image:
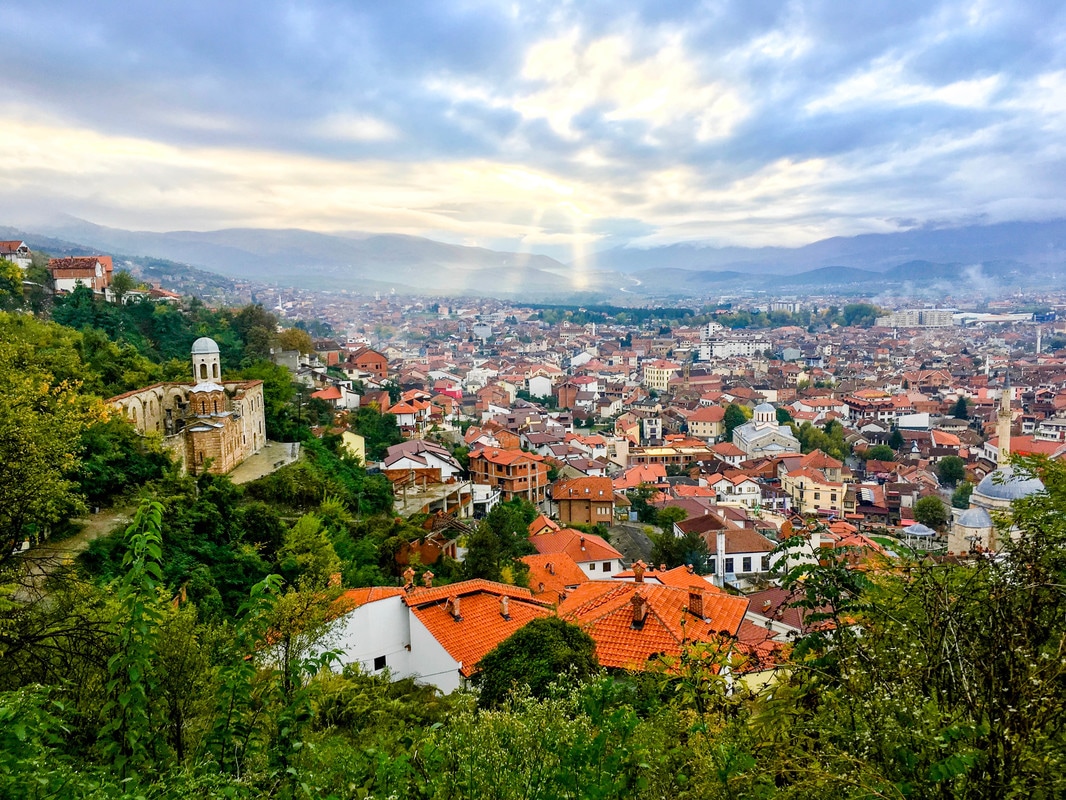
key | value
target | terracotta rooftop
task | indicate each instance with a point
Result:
(581, 547)
(604, 609)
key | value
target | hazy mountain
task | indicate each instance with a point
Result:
(1039, 244)
(318, 261)
(987, 257)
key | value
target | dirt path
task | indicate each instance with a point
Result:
(47, 557)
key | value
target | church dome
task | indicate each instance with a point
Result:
(765, 408)
(1003, 484)
(204, 346)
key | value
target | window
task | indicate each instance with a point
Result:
(379, 663)
(606, 566)
(729, 565)
(714, 565)
(766, 563)
(817, 495)
(592, 567)
(746, 563)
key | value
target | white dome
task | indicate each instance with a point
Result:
(204, 346)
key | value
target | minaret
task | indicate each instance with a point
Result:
(1003, 421)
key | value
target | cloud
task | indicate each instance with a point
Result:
(537, 125)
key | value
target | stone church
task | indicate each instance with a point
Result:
(207, 423)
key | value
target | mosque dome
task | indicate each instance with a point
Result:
(975, 517)
(1004, 485)
(204, 346)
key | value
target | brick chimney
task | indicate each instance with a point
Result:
(695, 601)
(766, 606)
(427, 579)
(640, 609)
(408, 579)
(503, 607)
(638, 572)
(452, 607)
(582, 540)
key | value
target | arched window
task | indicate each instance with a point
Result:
(214, 369)
(203, 372)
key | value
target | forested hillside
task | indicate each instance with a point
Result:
(186, 654)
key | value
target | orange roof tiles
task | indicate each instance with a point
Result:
(481, 625)
(604, 610)
(551, 575)
(581, 547)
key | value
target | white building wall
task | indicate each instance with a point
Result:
(380, 628)
(430, 662)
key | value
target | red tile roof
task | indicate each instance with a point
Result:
(480, 626)
(552, 575)
(604, 610)
(582, 547)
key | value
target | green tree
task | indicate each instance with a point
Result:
(895, 440)
(960, 498)
(784, 417)
(734, 418)
(950, 470)
(10, 285)
(307, 556)
(880, 452)
(961, 409)
(122, 283)
(932, 512)
(41, 423)
(536, 655)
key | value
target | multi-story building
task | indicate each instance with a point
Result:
(514, 472)
(587, 501)
(657, 374)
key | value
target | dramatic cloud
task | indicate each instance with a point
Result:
(551, 127)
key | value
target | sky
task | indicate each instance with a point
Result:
(553, 127)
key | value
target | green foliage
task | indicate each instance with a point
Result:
(115, 460)
(735, 416)
(784, 417)
(500, 539)
(895, 439)
(950, 470)
(960, 498)
(961, 409)
(534, 657)
(879, 452)
(42, 418)
(278, 394)
(11, 297)
(931, 511)
(379, 430)
(307, 557)
(861, 315)
(829, 439)
(125, 735)
(672, 549)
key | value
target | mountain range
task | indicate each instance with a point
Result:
(1006, 255)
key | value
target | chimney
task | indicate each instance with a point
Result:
(551, 568)
(408, 579)
(638, 572)
(582, 539)
(719, 559)
(695, 602)
(427, 579)
(662, 568)
(503, 608)
(689, 569)
(640, 610)
(452, 607)
(766, 606)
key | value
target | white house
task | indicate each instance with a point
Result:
(436, 635)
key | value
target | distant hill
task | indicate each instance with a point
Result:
(1040, 244)
(991, 258)
(331, 261)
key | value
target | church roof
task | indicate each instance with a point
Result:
(205, 345)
